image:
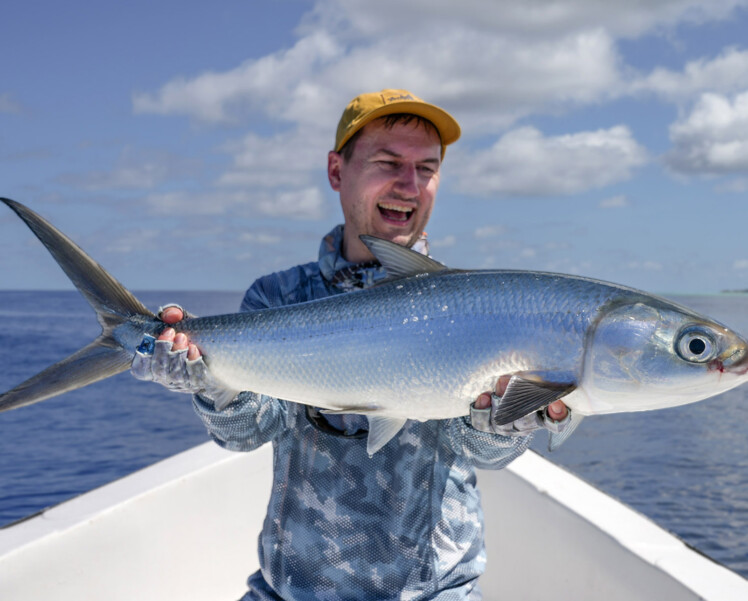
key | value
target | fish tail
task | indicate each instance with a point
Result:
(114, 306)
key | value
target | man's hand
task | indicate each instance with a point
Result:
(171, 360)
(174, 362)
(557, 411)
(172, 314)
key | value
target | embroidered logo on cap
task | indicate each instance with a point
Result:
(398, 98)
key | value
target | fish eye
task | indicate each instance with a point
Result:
(696, 345)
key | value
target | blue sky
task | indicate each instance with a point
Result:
(184, 145)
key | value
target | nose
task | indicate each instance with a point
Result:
(407, 180)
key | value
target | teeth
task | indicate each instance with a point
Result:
(391, 207)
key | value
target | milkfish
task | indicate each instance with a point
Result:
(423, 344)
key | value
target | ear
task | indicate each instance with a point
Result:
(334, 163)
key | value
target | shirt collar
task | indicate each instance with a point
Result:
(344, 274)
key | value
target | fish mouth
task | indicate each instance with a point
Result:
(736, 362)
(395, 213)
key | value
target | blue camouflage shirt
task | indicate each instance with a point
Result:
(404, 524)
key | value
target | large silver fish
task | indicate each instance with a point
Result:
(424, 344)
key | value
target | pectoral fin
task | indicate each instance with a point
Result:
(526, 394)
(381, 431)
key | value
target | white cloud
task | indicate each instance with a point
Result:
(305, 203)
(740, 264)
(490, 63)
(299, 204)
(489, 80)
(525, 163)
(713, 138)
(308, 84)
(727, 73)
(264, 162)
(270, 85)
(528, 19)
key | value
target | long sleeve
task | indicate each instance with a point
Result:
(245, 424)
(482, 449)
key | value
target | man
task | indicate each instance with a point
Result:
(405, 523)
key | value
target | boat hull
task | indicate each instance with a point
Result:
(148, 536)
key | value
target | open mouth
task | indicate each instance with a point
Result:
(395, 213)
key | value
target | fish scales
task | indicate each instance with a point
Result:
(433, 341)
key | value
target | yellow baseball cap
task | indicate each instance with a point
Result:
(365, 108)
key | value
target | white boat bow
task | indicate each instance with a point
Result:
(186, 528)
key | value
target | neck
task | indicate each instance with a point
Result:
(355, 251)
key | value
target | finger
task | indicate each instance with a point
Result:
(502, 384)
(168, 334)
(557, 411)
(483, 401)
(193, 352)
(171, 315)
(181, 342)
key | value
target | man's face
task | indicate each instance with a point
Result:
(387, 188)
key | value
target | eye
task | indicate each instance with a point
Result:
(696, 345)
(389, 165)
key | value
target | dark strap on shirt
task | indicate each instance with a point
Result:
(320, 423)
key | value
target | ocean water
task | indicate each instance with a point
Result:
(686, 468)
(57, 449)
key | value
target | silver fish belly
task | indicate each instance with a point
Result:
(421, 347)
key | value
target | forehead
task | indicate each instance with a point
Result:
(400, 138)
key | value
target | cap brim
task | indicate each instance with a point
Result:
(446, 124)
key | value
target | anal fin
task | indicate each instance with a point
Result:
(381, 431)
(224, 398)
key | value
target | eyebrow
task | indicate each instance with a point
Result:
(393, 154)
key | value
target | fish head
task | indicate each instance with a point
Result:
(652, 354)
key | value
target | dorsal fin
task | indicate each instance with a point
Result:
(400, 261)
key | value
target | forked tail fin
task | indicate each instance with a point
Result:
(114, 306)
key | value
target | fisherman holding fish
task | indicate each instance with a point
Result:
(374, 485)
(401, 517)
